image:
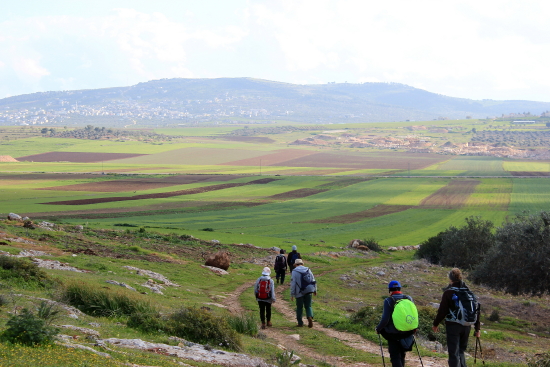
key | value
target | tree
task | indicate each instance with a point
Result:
(518, 263)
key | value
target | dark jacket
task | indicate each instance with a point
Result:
(447, 302)
(386, 323)
(280, 267)
(291, 258)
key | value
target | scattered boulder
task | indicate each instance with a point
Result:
(79, 228)
(29, 224)
(153, 286)
(120, 284)
(13, 216)
(355, 243)
(215, 270)
(152, 275)
(219, 260)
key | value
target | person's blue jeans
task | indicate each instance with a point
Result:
(301, 303)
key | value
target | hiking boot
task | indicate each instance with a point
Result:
(277, 281)
(269, 324)
(300, 325)
(263, 326)
(310, 322)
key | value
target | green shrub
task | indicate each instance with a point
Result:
(373, 245)
(284, 359)
(23, 270)
(244, 324)
(367, 316)
(430, 249)
(97, 301)
(148, 322)
(463, 247)
(28, 329)
(208, 229)
(495, 315)
(518, 262)
(426, 316)
(539, 360)
(201, 326)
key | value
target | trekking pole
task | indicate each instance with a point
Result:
(381, 350)
(418, 351)
(478, 341)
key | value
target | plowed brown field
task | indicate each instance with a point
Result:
(272, 159)
(378, 161)
(162, 194)
(452, 196)
(377, 211)
(77, 157)
(142, 184)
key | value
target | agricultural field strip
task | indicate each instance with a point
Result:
(473, 163)
(525, 166)
(529, 194)
(161, 195)
(491, 194)
(76, 157)
(454, 194)
(141, 183)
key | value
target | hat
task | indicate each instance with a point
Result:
(266, 271)
(299, 262)
(294, 248)
(394, 284)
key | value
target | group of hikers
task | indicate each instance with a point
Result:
(399, 322)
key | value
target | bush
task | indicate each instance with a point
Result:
(96, 301)
(367, 316)
(373, 245)
(495, 315)
(539, 360)
(284, 359)
(244, 324)
(148, 322)
(201, 326)
(463, 247)
(518, 263)
(430, 249)
(28, 329)
(426, 316)
(22, 270)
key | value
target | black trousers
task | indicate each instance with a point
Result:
(457, 342)
(397, 352)
(265, 311)
(280, 274)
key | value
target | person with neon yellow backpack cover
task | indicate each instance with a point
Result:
(398, 323)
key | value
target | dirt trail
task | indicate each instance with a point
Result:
(352, 340)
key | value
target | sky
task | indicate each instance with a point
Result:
(461, 48)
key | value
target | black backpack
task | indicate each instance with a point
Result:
(464, 308)
(280, 262)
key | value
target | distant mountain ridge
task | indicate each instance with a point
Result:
(196, 100)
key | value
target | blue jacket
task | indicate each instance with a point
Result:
(386, 323)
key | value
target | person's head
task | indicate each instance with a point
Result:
(282, 251)
(266, 271)
(394, 286)
(294, 248)
(298, 262)
(455, 275)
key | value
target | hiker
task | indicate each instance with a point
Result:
(302, 287)
(280, 266)
(264, 290)
(458, 320)
(399, 341)
(292, 256)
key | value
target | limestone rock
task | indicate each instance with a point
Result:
(219, 260)
(13, 216)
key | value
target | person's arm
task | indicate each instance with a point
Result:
(256, 287)
(443, 310)
(272, 285)
(293, 285)
(386, 314)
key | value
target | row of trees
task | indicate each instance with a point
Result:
(514, 257)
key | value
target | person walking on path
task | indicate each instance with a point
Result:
(399, 342)
(302, 287)
(264, 290)
(456, 330)
(293, 256)
(280, 267)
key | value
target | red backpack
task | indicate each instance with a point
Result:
(264, 289)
